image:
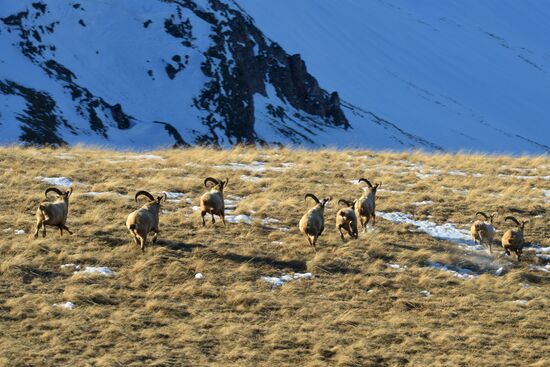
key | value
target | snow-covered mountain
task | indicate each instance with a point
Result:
(151, 73)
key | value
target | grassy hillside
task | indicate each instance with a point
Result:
(384, 299)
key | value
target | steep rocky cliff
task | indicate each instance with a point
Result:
(66, 78)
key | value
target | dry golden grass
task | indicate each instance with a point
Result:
(356, 311)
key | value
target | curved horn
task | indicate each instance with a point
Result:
(211, 179)
(366, 181)
(145, 193)
(347, 203)
(512, 219)
(70, 191)
(54, 189)
(483, 215)
(313, 197)
(326, 200)
(226, 181)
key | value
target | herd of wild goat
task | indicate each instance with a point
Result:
(146, 219)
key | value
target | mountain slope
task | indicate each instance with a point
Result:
(464, 75)
(153, 73)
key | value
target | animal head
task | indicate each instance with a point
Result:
(63, 195)
(348, 203)
(321, 203)
(218, 184)
(487, 217)
(521, 225)
(150, 197)
(371, 187)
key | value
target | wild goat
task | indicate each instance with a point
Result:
(144, 220)
(212, 201)
(53, 214)
(484, 232)
(312, 223)
(365, 206)
(513, 239)
(346, 219)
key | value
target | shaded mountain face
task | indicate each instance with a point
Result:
(152, 73)
(468, 75)
(146, 74)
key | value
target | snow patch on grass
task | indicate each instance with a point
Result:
(70, 266)
(544, 268)
(100, 270)
(67, 305)
(458, 272)
(521, 302)
(56, 181)
(425, 202)
(395, 266)
(240, 218)
(251, 178)
(255, 166)
(144, 156)
(279, 281)
(446, 231)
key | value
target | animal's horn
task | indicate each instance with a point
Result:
(366, 181)
(145, 193)
(313, 197)
(513, 220)
(54, 189)
(211, 179)
(483, 215)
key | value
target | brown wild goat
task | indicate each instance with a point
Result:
(365, 206)
(212, 201)
(145, 219)
(53, 214)
(312, 223)
(513, 239)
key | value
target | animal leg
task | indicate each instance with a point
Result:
(309, 240)
(43, 229)
(60, 230)
(314, 242)
(518, 255)
(212, 214)
(155, 235)
(203, 213)
(38, 225)
(67, 229)
(350, 231)
(222, 216)
(373, 219)
(142, 242)
(341, 233)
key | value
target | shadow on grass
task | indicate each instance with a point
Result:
(177, 245)
(295, 265)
